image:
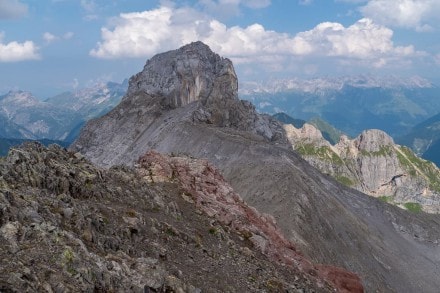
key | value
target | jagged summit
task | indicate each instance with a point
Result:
(373, 140)
(185, 75)
(194, 73)
(372, 163)
(188, 85)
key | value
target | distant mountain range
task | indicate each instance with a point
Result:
(26, 117)
(351, 104)
(7, 143)
(424, 139)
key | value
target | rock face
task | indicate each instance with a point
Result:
(374, 164)
(190, 84)
(389, 248)
(194, 73)
(66, 225)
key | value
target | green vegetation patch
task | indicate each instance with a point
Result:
(323, 152)
(413, 207)
(386, 198)
(411, 163)
(385, 150)
(345, 180)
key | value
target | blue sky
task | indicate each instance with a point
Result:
(50, 46)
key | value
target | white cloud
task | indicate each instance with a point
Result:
(305, 2)
(363, 40)
(48, 37)
(14, 51)
(145, 33)
(12, 9)
(420, 15)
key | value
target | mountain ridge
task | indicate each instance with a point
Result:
(372, 163)
(330, 223)
(351, 104)
(26, 116)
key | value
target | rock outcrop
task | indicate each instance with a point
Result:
(329, 223)
(67, 225)
(374, 164)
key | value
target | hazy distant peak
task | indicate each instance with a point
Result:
(333, 83)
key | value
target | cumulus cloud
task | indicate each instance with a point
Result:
(14, 51)
(421, 15)
(363, 40)
(12, 9)
(143, 34)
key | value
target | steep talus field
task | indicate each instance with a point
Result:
(374, 164)
(69, 226)
(198, 114)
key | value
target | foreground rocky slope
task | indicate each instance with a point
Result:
(374, 164)
(389, 248)
(66, 225)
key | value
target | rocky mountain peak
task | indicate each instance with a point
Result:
(185, 75)
(21, 98)
(190, 85)
(373, 140)
(307, 134)
(373, 164)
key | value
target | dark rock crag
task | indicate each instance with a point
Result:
(389, 248)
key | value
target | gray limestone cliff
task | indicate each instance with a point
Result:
(374, 164)
(191, 84)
